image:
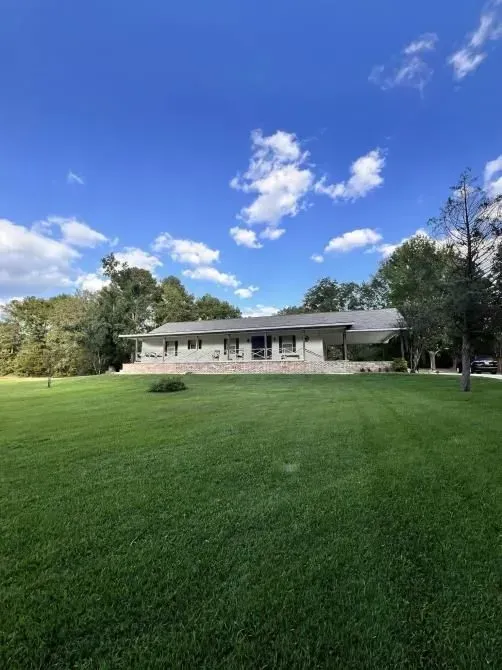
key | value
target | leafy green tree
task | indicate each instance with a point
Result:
(470, 223)
(175, 302)
(292, 309)
(496, 302)
(208, 307)
(10, 343)
(328, 295)
(416, 277)
(65, 353)
(126, 305)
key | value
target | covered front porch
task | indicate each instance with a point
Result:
(314, 345)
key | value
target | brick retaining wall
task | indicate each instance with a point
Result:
(255, 367)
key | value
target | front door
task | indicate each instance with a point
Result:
(258, 350)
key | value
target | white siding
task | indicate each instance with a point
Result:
(151, 348)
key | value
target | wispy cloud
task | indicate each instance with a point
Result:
(74, 178)
(493, 177)
(317, 258)
(138, 258)
(76, 233)
(245, 237)
(213, 275)
(260, 310)
(365, 175)
(386, 249)
(410, 68)
(186, 251)
(353, 239)
(247, 292)
(470, 56)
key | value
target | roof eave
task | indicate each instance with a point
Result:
(245, 330)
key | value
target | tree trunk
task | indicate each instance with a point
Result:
(466, 363)
(432, 356)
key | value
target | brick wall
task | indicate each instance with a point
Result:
(255, 367)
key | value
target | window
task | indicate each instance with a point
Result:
(233, 344)
(287, 344)
(194, 344)
(171, 348)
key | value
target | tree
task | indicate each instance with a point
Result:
(65, 352)
(126, 305)
(175, 303)
(496, 303)
(416, 278)
(208, 307)
(292, 309)
(10, 343)
(470, 223)
(328, 295)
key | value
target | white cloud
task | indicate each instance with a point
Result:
(470, 56)
(410, 69)
(186, 251)
(74, 232)
(246, 292)
(493, 186)
(366, 175)
(272, 233)
(245, 237)
(387, 249)
(74, 178)
(93, 281)
(317, 258)
(32, 261)
(207, 273)
(260, 310)
(426, 42)
(354, 239)
(138, 258)
(279, 174)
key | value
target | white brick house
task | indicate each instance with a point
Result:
(296, 342)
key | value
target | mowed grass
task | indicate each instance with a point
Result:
(251, 522)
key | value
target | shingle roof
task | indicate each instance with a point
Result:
(374, 319)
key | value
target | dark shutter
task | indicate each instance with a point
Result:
(225, 346)
(175, 347)
(294, 343)
(236, 345)
(200, 344)
(280, 344)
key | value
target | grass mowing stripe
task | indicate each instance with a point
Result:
(260, 521)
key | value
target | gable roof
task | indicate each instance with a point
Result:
(373, 319)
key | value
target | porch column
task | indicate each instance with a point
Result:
(136, 350)
(344, 335)
(163, 349)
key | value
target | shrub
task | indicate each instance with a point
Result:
(399, 365)
(167, 385)
(368, 369)
(362, 370)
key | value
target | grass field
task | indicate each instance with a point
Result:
(251, 522)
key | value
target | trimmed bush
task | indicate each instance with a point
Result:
(167, 385)
(399, 365)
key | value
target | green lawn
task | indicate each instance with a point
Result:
(251, 522)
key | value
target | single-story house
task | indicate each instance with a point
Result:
(285, 343)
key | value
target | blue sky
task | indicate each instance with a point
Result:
(187, 136)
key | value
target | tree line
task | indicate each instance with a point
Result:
(447, 286)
